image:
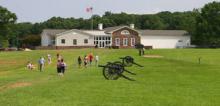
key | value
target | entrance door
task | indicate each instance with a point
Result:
(102, 44)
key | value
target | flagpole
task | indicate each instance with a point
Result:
(92, 19)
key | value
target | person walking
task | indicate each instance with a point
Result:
(63, 66)
(90, 56)
(41, 62)
(59, 57)
(85, 61)
(49, 59)
(79, 61)
(143, 50)
(59, 67)
(96, 60)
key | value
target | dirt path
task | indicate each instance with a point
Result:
(14, 85)
(153, 56)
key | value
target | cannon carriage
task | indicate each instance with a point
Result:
(115, 70)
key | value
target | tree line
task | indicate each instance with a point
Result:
(203, 24)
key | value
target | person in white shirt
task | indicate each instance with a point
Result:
(30, 66)
(49, 58)
(41, 62)
(96, 60)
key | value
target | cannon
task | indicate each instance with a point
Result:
(140, 48)
(115, 70)
(112, 71)
(129, 61)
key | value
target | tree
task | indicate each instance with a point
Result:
(6, 19)
(152, 22)
(207, 31)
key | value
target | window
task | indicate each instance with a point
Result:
(180, 41)
(85, 41)
(117, 41)
(74, 41)
(132, 41)
(63, 41)
(125, 32)
(125, 41)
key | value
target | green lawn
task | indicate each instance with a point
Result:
(174, 80)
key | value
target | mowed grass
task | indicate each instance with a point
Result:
(177, 79)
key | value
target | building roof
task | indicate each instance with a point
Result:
(109, 30)
(75, 31)
(163, 32)
(53, 32)
(96, 32)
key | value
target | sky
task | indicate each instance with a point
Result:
(42, 10)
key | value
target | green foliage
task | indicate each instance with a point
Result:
(162, 20)
(4, 43)
(31, 40)
(208, 26)
(6, 20)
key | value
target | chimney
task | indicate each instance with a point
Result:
(100, 26)
(132, 26)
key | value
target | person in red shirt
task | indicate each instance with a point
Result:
(90, 58)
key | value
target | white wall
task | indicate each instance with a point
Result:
(44, 40)
(164, 41)
(72, 35)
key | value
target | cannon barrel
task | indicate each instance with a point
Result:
(137, 64)
(101, 66)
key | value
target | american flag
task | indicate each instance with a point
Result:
(89, 9)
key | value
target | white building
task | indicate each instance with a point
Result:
(121, 36)
(165, 38)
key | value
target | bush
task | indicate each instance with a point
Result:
(5, 43)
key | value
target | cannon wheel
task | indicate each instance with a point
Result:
(110, 73)
(128, 61)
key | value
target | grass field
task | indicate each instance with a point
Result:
(176, 79)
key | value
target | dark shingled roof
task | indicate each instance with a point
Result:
(110, 29)
(163, 32)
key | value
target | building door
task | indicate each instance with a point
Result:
(102, 41)
(103, 44)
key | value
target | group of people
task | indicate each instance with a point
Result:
(41, 63)
(87, 59)
(61, 65)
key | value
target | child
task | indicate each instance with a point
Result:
(79, 61)
(59, 57)
(85, 61)
(96, 60)
(59, 67)
(90, 59)
(30, 66)
(49, 58)
(63, 66)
